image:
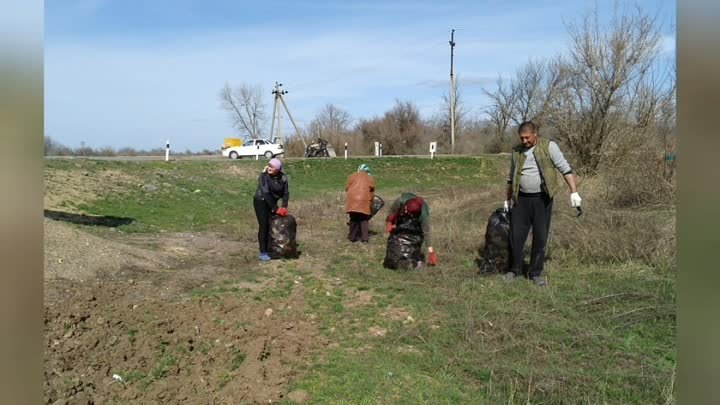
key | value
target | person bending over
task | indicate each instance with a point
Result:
(409, 224)
(272, 188)
(360, 190)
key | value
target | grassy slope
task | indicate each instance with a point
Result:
(222, 197)
(600, 334)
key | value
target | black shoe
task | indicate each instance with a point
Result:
(539, 281)
(509, 276)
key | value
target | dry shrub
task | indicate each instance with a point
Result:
(629, 207)
(499, 145)
(634, 173)
(294, 147)
(607, 235)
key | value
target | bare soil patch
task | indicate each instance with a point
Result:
(358, 298)
(128, 306)
(221, 350)
(396, 314)
(76, 255)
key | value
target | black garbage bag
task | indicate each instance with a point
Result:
(283, 231)
(377, 204)
(495, 253)
(404, 251)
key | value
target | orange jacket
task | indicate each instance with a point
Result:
(360, 189)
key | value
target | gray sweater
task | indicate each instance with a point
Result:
(530, 181)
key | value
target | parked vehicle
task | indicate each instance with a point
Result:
(320, 148)
(251, 148)
(229, 142)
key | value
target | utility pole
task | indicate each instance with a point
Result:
(272, 124)
(452, 92)
(281, 134)
(254, 124)
(277, 114)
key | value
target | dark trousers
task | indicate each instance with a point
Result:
(359, 227)
(530, 211)
(262, 213)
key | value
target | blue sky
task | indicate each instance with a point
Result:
(136, 72)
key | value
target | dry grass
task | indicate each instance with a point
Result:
(604, 235)
(474, 339)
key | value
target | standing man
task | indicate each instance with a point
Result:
(360, 189)
(532, 185)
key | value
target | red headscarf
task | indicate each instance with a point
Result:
(414, 206)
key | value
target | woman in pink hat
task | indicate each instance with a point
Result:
(272, 188)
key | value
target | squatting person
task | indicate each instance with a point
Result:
(409, 227)
(532, 185)
(360, 190)
(272, 188)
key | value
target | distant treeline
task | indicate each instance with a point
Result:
(55, 148)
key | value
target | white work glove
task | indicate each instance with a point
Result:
(506, 205)
(575, 200)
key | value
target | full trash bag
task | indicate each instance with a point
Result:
(495, 253)
(377, 204)
(404, 251)
(283, 231)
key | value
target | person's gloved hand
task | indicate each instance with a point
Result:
(282, 211)
(506, 205)
(575, 200)
(433, 259)
(390, 227)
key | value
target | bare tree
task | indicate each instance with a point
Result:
(55, 148)
(400, 130)
(651, 98)
(602, 66)
(535, 86)
(502, 106)
(246, 107)
(331, 121)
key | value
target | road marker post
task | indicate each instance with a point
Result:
(257, 152)
(377, 149)
(380, 150)
(433, 149)
(345, 150)
(167, 150)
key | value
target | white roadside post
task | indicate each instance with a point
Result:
(345, 150)
(377, 149)
(257, 151)
(380, 150)
(167, 150)
(433, 149)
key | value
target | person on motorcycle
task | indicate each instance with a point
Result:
(410, 219)
(360, 189)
